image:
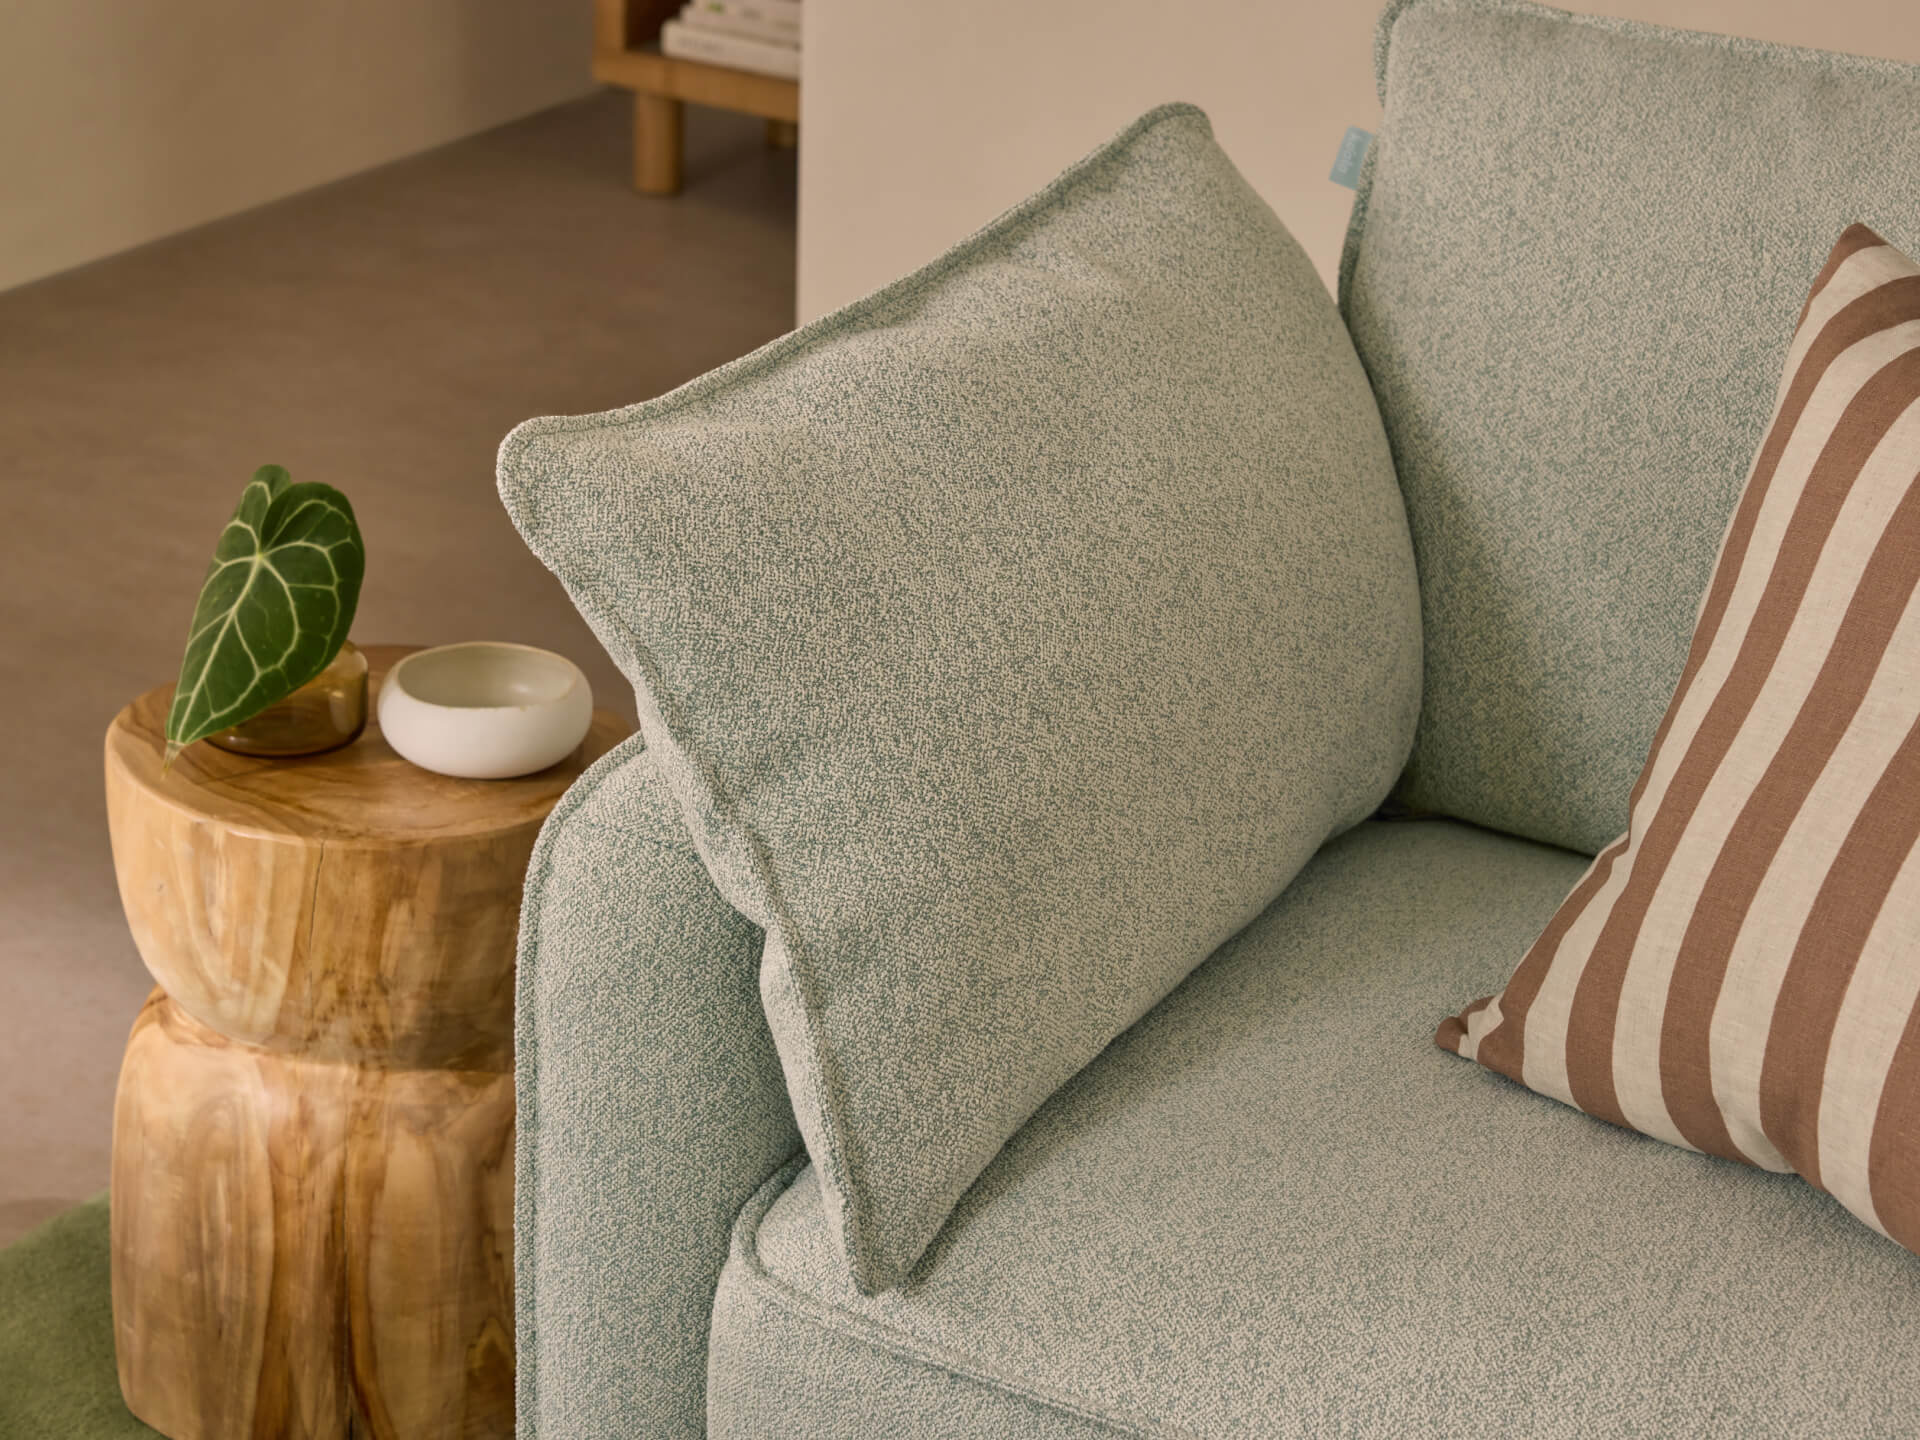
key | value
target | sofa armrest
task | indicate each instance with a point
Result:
(651, 1107)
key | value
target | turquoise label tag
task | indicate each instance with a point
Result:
(1353, 149)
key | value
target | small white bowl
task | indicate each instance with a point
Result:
(485, 711)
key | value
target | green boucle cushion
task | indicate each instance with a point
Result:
(1578, 253)
(1009, 639)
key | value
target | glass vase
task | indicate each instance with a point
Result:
(327, 712)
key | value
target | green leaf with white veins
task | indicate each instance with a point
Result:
(274, 608)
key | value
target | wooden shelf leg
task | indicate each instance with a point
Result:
(782, 134)
(658, 121)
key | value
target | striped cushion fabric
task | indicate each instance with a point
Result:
(1737, 973)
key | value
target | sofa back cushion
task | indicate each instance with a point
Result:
(1738, 972)
(1009, 639)
(1578, 250)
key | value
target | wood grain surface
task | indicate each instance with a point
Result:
(347, 905)
(313, 1136)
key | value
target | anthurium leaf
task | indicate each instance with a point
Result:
(274, 608)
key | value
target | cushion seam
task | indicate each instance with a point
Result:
(852, 316)
(873, 1333)
(1769, 51)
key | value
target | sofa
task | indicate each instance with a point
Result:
(1271, 1206)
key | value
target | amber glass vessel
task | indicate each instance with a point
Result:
(327, 712)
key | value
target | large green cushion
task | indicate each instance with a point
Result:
(1009, 638)
(1571, 276)
(1274, 1209)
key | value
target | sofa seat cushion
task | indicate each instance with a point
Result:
(1273, 1208)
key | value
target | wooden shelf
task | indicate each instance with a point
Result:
(626, 53)
(647, 71)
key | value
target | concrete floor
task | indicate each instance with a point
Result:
(380, 334)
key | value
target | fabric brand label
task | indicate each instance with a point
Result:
(1353, 149)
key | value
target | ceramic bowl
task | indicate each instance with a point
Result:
(485, 711)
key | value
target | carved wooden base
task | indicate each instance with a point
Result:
(313, 1140)
(309, 1249)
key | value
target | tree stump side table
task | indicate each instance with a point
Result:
(313, 1138)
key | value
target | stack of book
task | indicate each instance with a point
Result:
(762, 35)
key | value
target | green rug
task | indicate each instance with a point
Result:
(57, 1380)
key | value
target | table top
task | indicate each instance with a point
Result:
(361, 794)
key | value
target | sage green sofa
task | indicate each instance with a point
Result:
(1272, 1207)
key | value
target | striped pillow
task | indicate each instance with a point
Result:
(1737, 973)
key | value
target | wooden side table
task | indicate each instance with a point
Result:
(313, 1136)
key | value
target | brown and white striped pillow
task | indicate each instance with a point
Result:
(1738, 972)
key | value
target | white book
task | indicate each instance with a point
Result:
(716, 47)
(768, 12)
(736, 18)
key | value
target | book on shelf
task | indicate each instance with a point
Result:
(739, 52)
(775, 21)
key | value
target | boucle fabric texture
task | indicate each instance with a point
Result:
(1272, 1208)
(1009, 640)
(1738, 972)
(651, 1107)
(1572, 269)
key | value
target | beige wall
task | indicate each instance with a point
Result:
(125, 120)
(923, 120)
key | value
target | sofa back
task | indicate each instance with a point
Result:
(1573, 269)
